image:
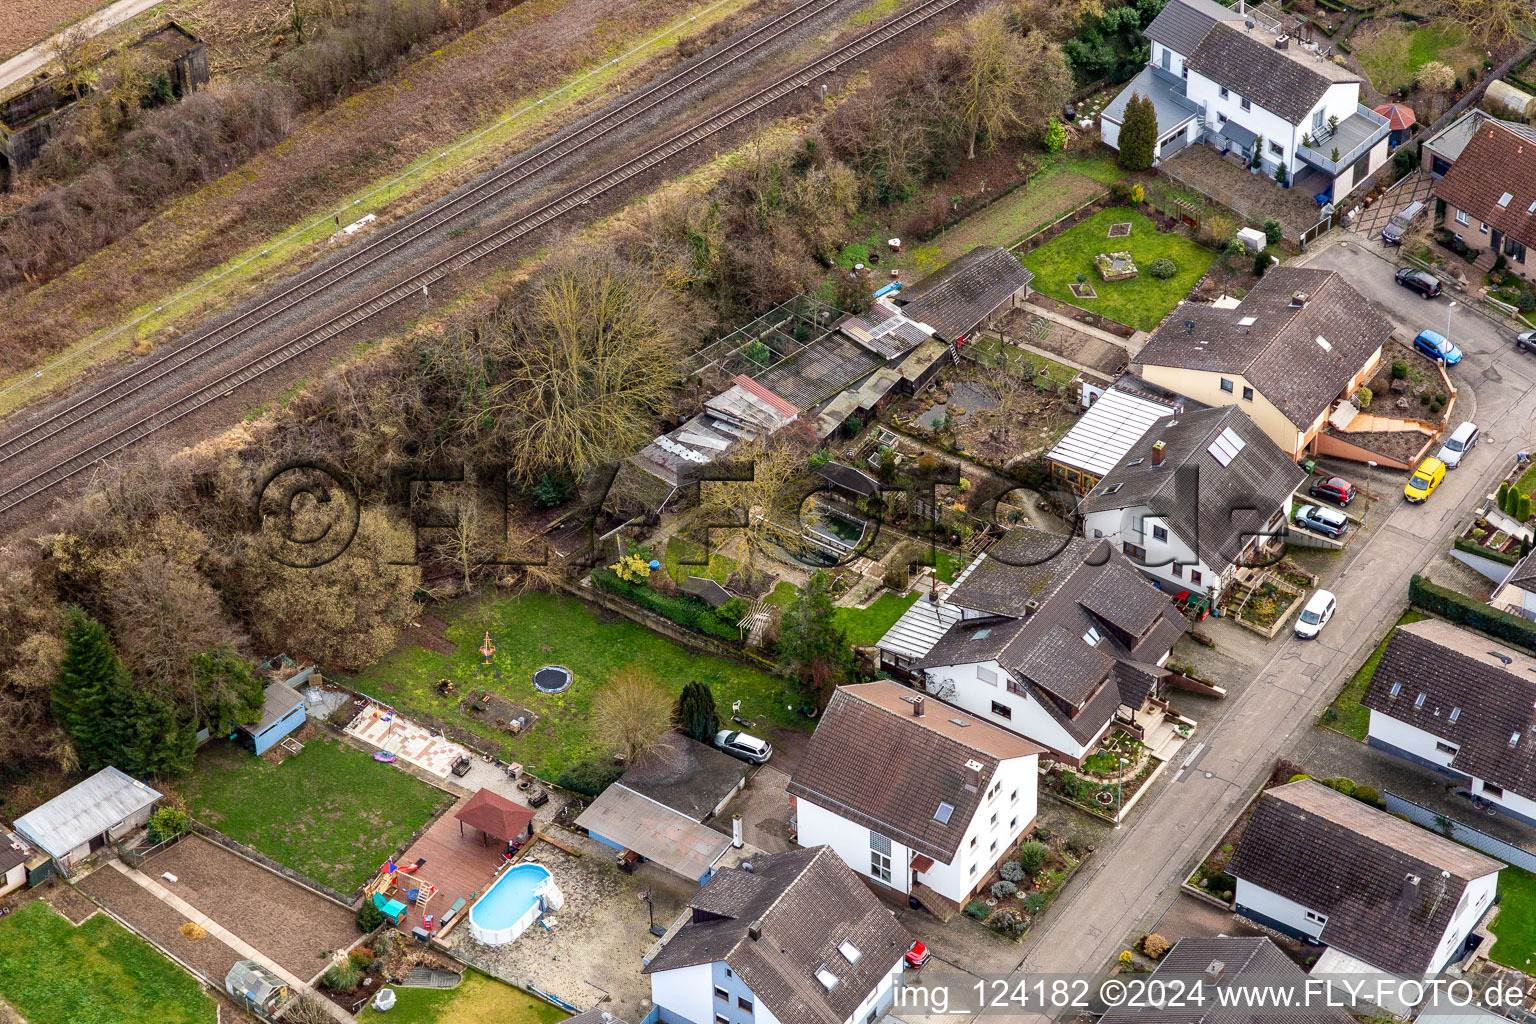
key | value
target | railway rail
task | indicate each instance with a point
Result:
(203, 345)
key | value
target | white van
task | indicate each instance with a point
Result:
(1458, 444)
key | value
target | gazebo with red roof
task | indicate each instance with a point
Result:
(494, 815)
(1399, 119)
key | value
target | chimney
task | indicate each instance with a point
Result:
(1282, 43)
(1410, 888)
(755, 930)
(1158, 450)
(1214, 970)
(1030, 607)
(972, 775)
(1299, 300)
(917, 707)
(736, 831)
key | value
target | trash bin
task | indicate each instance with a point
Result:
(385, 1000)
(1310, 466)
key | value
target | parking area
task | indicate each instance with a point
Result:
(1414, 188)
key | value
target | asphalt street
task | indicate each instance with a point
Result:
(1139, 870)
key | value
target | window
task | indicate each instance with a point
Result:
(1245, 104)
(1224, 95)
(1158, 533)
(993, 822)
(942, 814)
(973, 842)
(985, 674)
(1445, 748)
(1276, 149)
(1313, 917)
(974, 867)
(850, 951)
(1514, 737)
(1177, 570)
(1317, 122)
(1092, 638)
(827, 978)
(1482, 227)
(1184, 72)
(1014, 798)
(742, 1002)
(1418, 702)
(1455, 713)
(1221, 120)
(1504, 200)
(994, 846)
(1226, 386)
(1247, 393)
(1002, 710)
(721, 1018)
(1013, 826)
(1132, 551)
(1490, 790)
(1462, 218)
(1194, 577)
(879, 865)
(722, 995)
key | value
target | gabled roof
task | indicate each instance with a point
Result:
(277, 700)
(1494, 180)
(13, 851)
(1278, 351)
(1460, 673)
(922, 765)
(85, 811)
(1376, 878)
(1246, 961)
(958, 296)
(1452, 140)
(849, 478)
(654, 831)
(1182, 24)
(1206, 504)
(802, 906)
(1280, 81)
(1524, 574)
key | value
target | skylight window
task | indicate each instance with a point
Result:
(1135, 462)
(980, 633)
(1514, 737)
(827, 978)
(1248, 321)
(1455, 713)
(962, 723)
(1397, 688)
(1226, 446)
(850, 951)
(1112, 488)
(1324, 344)
(1091, 638)
(942, 815)
(1418, 702)
(1505, 199)
(1532, 207)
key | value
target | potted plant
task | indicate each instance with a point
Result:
(1256, 159)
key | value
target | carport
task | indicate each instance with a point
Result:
(627, 821)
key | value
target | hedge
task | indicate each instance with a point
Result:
(1467, 611)
(1472, 547)
(681, 609)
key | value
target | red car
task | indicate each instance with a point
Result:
(917, 956)
(1335, 489)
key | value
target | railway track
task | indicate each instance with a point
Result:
(93, 406)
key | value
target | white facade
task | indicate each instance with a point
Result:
(1002, 815)
(13, 879)
(1401, 738)
(685, 995)
(983, 690)
(1168, 559)
(712, 993)
(1259, 902)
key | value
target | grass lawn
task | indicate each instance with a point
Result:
(332, 812)
(1021, 363)
(951, 564)
(1350, 718)
(539, 629)
(477, 1000)
(1396, 52)
(99, 973)
(1064, 182)
(681, 551)
(865, 626)
(1527, 482)
(1515, 924)
(1143, 300)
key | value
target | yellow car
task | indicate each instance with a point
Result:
(1424, 480)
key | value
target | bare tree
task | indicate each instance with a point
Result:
(1003, 82)
(1435, 77)
(1492, 21)
(1007, 392)
(632, 714)
(766, 504)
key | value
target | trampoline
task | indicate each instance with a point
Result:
(552, 679)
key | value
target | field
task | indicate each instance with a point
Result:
(864, 626)
(1345, 713)
(541, 629)
(1063, 183)
(1515, 925)
(24, 22)
(477, 1000)
(332, 813)
(99, 973)
(1141, 301)
(1395, 52)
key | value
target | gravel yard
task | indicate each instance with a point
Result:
(144, 910)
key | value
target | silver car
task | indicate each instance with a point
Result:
(743, 745)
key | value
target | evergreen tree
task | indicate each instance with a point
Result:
(227, 691)
(695, 715)
(157, 741)
(1138, 133)
(91, 692)
(813, 644)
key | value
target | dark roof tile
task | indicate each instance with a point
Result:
(960, 295)
(1497, 161)
(1251, 67)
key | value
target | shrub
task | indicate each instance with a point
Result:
(1343, 785)
(1472, 547)
(1032, 857)
(1011, 871)
(680, 608)
(589, 776)
(1399, 369)
(1002, 890)
(1525, 302)
(1367, 795)
(1154, 946)
(977, 909)
(360, 957)
(1365, 396)
(1007, 922)
(369, 916)
(1283, 178)
(1163, 269)
(731, 612)
(1523, 512)
(1260, 264)
(1466, 611)
(1138, 194)
(820, 457)
(342, 977)
(1274, 231)
(1055, 136)
(1033, 903)
(1126, 959)
(168, 821)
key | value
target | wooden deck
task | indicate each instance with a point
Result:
(459, 866)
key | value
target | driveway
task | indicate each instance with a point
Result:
(1414, 188)
(764, 809)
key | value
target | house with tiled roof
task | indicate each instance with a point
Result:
(1200, 494)
(1212, 969)
(792, 937)
(1490, 194)
(1236, 79)
(1055, 638)
(1290, 354)
(953, 796)
(1384, 895)
(1517, 593)
(1464, 706)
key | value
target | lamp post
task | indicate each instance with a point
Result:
(1120, 791)
(1448, 309)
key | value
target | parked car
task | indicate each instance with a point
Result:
(743, 745)
(1335, 489)
(1437, 346)
(917, 956)
(1525, 341)
(1393, 233)
(1424, 480)
(1462, 440)
(1319, 519)
(1315, 615)
(1426, 284)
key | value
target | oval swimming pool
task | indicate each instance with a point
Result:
(512, 903)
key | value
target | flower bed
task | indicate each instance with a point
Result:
(1010, 905)
(1115, 266)
(1264, 605)
(1099, 795)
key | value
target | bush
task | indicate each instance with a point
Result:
(342, 977)
(680, 608)
(731, 612)
(1365, 396)
(1523, 512)
(1007, 922)
(1367, 795)
(369, 916)
(360, 957)
(168, 821)
(1525, 302)
(1399, 369)
(1163, 269)
(1466, 611)
(1002, 890)
(1260, 264)
(1055, 136)
(589, 776)
(1012, 871)
(1033, 903)
(978, 909)
(820, 457)
(1343, 785)
(1472, 547)
(1154, 946)
(1274, 231)
(1032, 857)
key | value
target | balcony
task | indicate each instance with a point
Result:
(1355, 136)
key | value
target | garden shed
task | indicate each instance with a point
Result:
(88, 816)
(282, 711)
(255, 987)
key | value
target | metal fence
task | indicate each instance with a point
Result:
(1464, 834)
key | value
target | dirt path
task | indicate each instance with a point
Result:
(23, 20)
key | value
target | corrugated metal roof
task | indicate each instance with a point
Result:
(1100, 439)
(655, 832)
(85, 811)
(924, 623)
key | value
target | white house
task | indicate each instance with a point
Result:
(792, 937)
(952, 797)
(88, 816)
(1384, 895)
(1234, 78)
(13, 861)
(1052, 637)
(1461, 705)
(1517, 594)
(1200, 494)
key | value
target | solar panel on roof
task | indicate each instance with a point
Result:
(1226, 446)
